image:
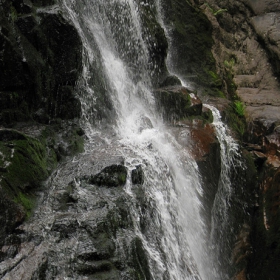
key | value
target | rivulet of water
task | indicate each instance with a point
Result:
(220, 240)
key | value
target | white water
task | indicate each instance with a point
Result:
(176, 244)
(229, 159)
(220, 221)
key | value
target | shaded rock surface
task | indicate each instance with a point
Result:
(40, 62)
(246, 49)
(191, 42)
(176, 103)
(80, 229)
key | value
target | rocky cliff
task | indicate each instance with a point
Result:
(40, 62)
(246, 50)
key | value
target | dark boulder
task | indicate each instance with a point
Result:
(110, 176)
(137, 175)
(171, 81)
(175, 103)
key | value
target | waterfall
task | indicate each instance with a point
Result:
(161, 217)
(172, 181)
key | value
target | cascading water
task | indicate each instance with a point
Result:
(220, 220)
(172, 178)
(173, 183)
(162, 219)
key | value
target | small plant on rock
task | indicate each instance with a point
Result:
(217, 12)
(229, 64)
(239, 108)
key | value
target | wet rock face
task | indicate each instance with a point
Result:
(40, 61)
(176, 103)
(201, 141)
(81, 229)
(246, 48)
(265, 228)
(191, 42)
(111, 176)
(156, 40)
(23, 165)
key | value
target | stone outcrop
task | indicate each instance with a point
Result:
(175, 103)
(40, 62)
(191, 42)
(110, 176)
(82, 227)
(246, 49)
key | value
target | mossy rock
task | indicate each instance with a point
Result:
(27, 201)
(11, 214)
(236, 121)
(24, 163)
(191, 42)
(23, 166)
(111, 176)
(23, 160)
(175, 103)
(137, 175)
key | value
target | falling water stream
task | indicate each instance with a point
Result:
(172, 178)
(171, 175)
(175, 240)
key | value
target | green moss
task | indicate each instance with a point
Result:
(122, 178)
(228, 77)
(216, 81)
(220, 11)
(77, 144)
(28, 162)
(26, 201)
(13, 13)
(220, 93)
(236, 120)
(216, 12)
(23, 166)
(239, 108)
(215, 92)
(229, 64)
